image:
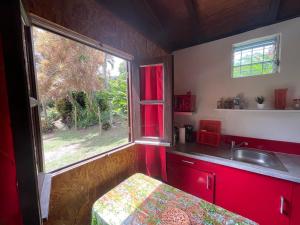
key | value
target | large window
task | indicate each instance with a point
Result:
(256, 57)
(83, 95)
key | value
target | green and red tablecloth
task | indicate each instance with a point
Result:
(142, 200)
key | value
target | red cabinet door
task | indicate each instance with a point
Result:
(263, 199)
(295, 212)
(193, 181)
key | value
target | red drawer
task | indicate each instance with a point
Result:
(183, 160)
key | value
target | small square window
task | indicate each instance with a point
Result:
(256, 57)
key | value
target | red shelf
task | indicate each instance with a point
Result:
(184, 113)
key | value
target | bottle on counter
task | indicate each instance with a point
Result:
(296, 103)
(182, 135)
(176, 135)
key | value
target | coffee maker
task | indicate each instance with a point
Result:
(189, 133)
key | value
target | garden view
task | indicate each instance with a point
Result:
(254, 61)
(83, 99)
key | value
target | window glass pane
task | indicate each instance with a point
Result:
(237, 58)
(258, 54)
(246, 57)
(268, 68)
(151, 82)
(236, 71)
(256, 69)
(83, 96)
(245, 70)
(152, 121)
(269, 53)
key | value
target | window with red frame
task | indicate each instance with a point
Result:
(153, 102)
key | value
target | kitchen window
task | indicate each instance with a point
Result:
(256, 57)
(83, 99)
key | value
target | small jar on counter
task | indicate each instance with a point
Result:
(296, 103)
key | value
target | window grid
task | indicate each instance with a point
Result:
(256, 58)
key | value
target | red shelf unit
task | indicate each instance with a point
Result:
(185, 103)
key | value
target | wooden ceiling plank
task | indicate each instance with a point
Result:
(180, 24)
(137, 14)
(289, 9)
(158, 23)
(273, 11)
(154, 15)
(191, 6)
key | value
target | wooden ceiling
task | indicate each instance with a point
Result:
(176, 24)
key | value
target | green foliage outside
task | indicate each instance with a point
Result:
(86, 106)
(118, 92)
(65, 109)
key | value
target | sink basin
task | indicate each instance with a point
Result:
(261, 158)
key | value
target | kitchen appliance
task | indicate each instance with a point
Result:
(189, 133)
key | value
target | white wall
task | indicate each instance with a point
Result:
(206, 71)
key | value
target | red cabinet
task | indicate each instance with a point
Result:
(263, 199)
(196, 182)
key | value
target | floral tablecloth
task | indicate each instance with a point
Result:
(142, 200)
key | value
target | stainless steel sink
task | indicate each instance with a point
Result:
(261, 158)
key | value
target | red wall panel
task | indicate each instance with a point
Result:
(9, 202)
(271, 145)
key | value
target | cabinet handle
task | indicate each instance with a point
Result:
(185, 161)
(207, 182)
(282, 203)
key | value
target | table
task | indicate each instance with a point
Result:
(141, 200)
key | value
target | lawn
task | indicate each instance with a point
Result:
(64, 147)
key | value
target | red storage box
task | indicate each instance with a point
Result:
(209, 132)
(280, 98)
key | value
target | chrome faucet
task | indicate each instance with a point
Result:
(234, 146)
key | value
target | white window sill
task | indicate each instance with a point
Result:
(153, 142)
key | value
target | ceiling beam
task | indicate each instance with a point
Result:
(153, 15)
(191, 6)
(162, 35)
(273, 11)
